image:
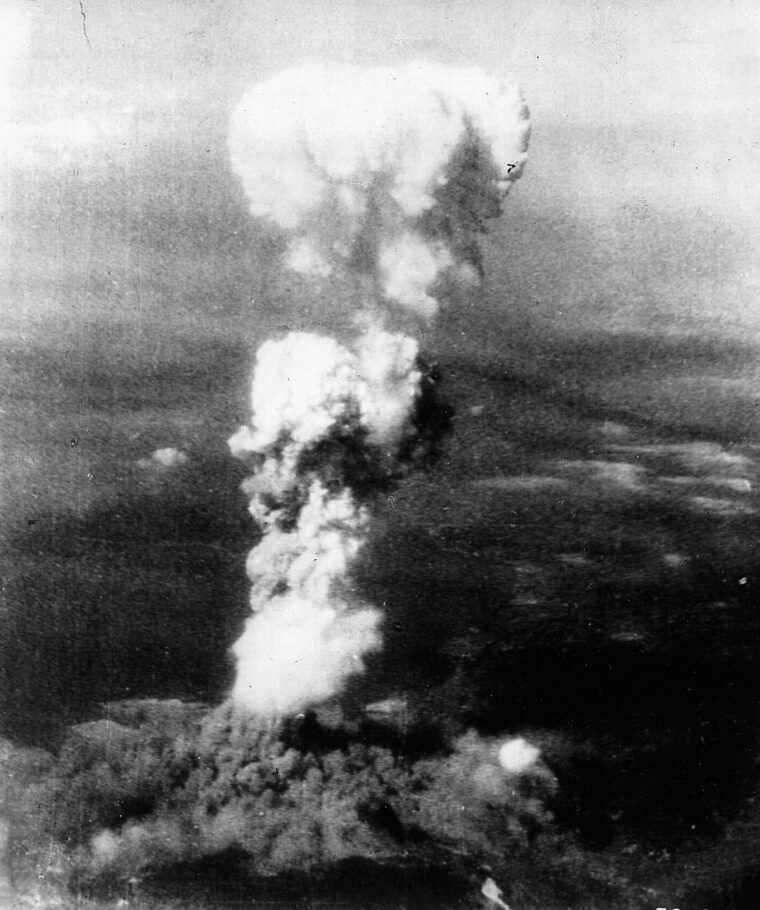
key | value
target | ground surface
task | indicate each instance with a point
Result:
(585, 575)
(581, 566)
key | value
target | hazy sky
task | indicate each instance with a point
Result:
(645, 113)
(680, 79)
(123, 231)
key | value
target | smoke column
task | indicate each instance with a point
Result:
(380, 181)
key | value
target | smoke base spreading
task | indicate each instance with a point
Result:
(161, 783)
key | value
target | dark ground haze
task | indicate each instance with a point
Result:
(583, 559)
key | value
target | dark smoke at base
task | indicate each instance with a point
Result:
(161, 783)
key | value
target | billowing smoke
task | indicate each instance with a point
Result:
(161, 782)
(380, 180)
(381, 173)
(327, 426)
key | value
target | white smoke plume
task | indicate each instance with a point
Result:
(382, 178)
(353, 163)
(325, 422)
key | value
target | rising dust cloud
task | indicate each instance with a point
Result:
(381, 180)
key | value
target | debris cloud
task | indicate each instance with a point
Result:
(325, 434)
(381, 173)
(380, 180)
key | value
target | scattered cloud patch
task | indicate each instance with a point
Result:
(734, 484)
(520, 482)
(725, 507)
(620, 474)
(614, 430)
(577, 560)
(166, 459)
(675, 560)
(697, 456)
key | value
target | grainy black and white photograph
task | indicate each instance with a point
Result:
(380, 427)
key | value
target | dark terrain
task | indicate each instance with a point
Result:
(567, 569)
(581, 565)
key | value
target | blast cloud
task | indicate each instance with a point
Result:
(351, 163)
(326, 427)
(381, 180)
(159, 783)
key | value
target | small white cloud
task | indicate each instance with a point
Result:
(621, 474)
(517, 755)
(676, 560)
(720, 506)
(85, 139)
(576, 560)
(492, 892)
(696, 456)
(735, 484)
(532, 482)
(164, 460)
(627, 637)
(614, 430)
(105, 846)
